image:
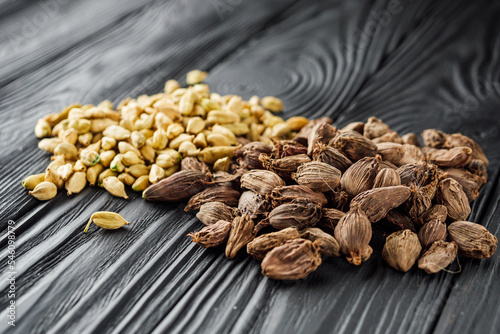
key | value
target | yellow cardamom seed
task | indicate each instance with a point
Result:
(67, 149)
(44, 191)
(76, 183)
(115, 187)
(156, 173)
(171, 86)
(93, 173)
(42, 128)
(272, 103)
(106, 157)
(195, 76)
(141, 183)
(127, 179)
(32, 181)
(107, 143)
(89, 157)
(106, 220)
(107, 173)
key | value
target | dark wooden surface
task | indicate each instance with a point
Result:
(415, 64)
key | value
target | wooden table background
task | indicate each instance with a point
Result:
(415, 64)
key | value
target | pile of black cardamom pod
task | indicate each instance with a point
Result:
(319, 194)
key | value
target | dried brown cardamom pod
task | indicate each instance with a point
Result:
(360, 176)
(412, 154)
(253, 204)
(470, 183)
(240, 235)
(284, 148)
(452, 196)
(321, 133)
(318, 176)
(420, 199)
(359, 127)
(377, 202)
(224, 194)
(458, 139)
(389, 137)
(401, 250)
(295, 259)
(303, 134)
(284, 167)
(354, 145)
(212, 235)
(210, 213)
(248, 155)
(340, 199)
(261, 181)
(396, 219)
(437, 211)
(260, 246)
(473, 240)
(410, 138)
(387, 164)
(453, 157)
(330, 218)
(331, 156)
(434, 138)
(374, 128)
(285, 194)
(434, 230)
(177, 187)
(391, 152)
(417, 173)
(299, 213)
(354, 232)
(439, 256)
(387, 177)
(192, 163)
(327, 244)
(478, 168)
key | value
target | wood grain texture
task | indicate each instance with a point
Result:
(424, 64)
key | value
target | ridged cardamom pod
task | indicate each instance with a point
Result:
(194, 164)
(330, 218)
(327, 244)
(360, 176)
(295, 259)
(115, 187)
(212, 235)
(303, 134)
(458, 139)
(420, 199)
(318, 176)
(437, 211)
(211, 212)
(76, 183)
(177, 187)
(253, 204)
(452, 196)
(240, 235)
(410, 138)
(354, 145)
(284, 167)
(32, 181)
(285, 194)
(435, 230)
(260, 246)
(299, 213)
(439, 256)
(226, 195)
(354, 232)
(417, 173)
(331, 156)
(320, 133)
(387, 177)
(401, 250)
(261, 181)
(44, 191)
(377, 202)
(391, 152)
(470, 183)
(358, 127)
(434, 138)
(106, 220)
(412, 154)
(473, 240)
(396, 219)
(389, 137)
(454, 157)
(375, 128)
(248, 155)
